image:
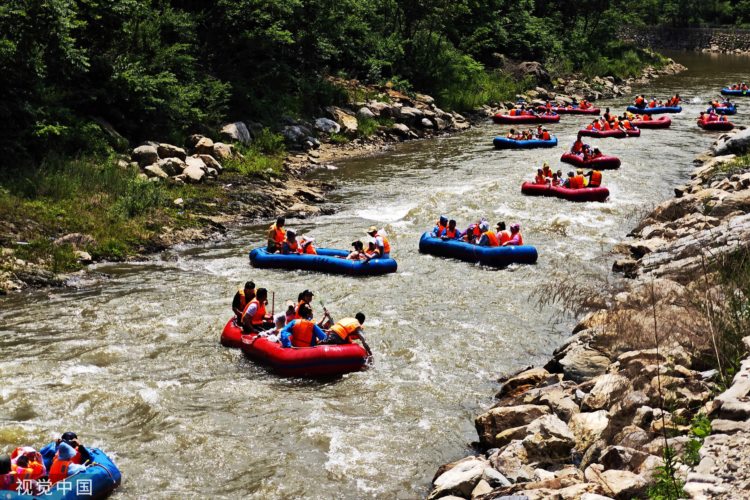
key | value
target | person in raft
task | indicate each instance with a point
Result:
(595, 178)
(440, 226)
(272, 334)
(50, 450)
(380, 240)
(346, 330)
(241, 298)
(305, 299)
(540, 178)
(63, 465)
(276, 236)
(515, 236)
(451, 232)
(302, 332)
(358, 253)
(488, 238)
(502, 234)
(254, 317)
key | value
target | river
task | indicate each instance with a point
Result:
(133, 363)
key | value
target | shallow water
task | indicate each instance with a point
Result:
(134, 364)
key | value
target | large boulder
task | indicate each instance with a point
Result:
(608, 389)
(170, 151)
(588, 428)
(554, 396)
(155, 171)
(522, 382)
(204, 146)
(409, 114)
(365, 113)
(581, 362)
(738, 144)
(512, 462)
(548, 440)
(145, 155)
(347, 121)
(211, 162)
(499, 419)
(533, 69)
(379, 108)
(401, 130)
(327, 126)
(195, 169)
(461, 479)
(222, 151)
(621, 484)
(236, 132)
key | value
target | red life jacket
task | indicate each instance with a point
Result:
(260, 313)
(293, 247)
(546, 136)
(596, 179)
(503, 236)
(302, 333)
(450, 234)
(59, 470)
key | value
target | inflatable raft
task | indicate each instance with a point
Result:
(715, 125)
(599, 163)
(728, 91)
(505, 143)
(656, 110)
(318, 361)
(570, 110)
(231, 335)
(584, 194)
(661, 122)
(99, 479)
(328, 260)
(487, 256)
(603, 134)
(519, 119)
(725, 110)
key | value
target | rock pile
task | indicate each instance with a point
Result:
(160, 161)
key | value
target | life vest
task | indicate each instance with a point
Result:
(260, 313)
(540, 179)
(596, 179)
(450, 234)
(293, 247)
(386, 245)
(35, 470)
(512, 112)
(503, 236)
(607, 126)
(345, 327)
(302, 333)
(577, 147)
(546, 136)
(547, 171)
(639, 101)
(626, 124)
(520, 238)
(243, 299)
(278, 234)
(309, 249)
(576, 182)
(491, 238)
(652, 104)
(59, 470)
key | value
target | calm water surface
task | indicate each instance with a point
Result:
(134, 364)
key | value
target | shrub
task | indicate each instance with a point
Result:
(139, 197)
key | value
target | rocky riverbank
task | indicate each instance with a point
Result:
(623, 408)
(382, 118)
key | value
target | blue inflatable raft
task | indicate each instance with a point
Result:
(724, 110)
(99, 479)
(487, 256)
(727, 91)
(655, 111)
(328, 260)
(505, 143)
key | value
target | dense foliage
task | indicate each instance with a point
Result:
(156, 68)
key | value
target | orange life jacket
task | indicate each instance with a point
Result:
(450, 234)
(386, 245)
(520, 238)
(259, 315)
(577, 147)
(626, 124)
(302, 333)
(309, 249)
(596, 179)
(652, 104)
(35, 470)
(59, 470)
(546, 136)
(278, 234)
(293, 247)
(503, 236)
(576, 182)
(639, 100)
(512, 112)
(540, 179)
(547, 171)
(345, 327)
(491, 238)
(296, 309)
(243, 299)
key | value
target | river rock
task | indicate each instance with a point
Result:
(461, 479)
(512, 462)
(327, 126)
(169, 151)
(623, 458)
(155, 171)
(498, 419)
(409, 114)
(211, 162)
(145, 155)
(222, 151)
(236, 132)
(77, 240)
(294, 135)
(738, 143)
(522, 382)
(172, 166)
(481, 488)
(204, 146)
(380, 108)
(621, 484)
(582, 363)
(347, 121)
(83, 257)
(365, 113)
(555, 397)
(401, 130)
(608, 389)
(588, 428)
(426, 123)
(535, 70)
(195, 170)
(548, 440)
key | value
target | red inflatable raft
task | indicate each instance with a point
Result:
(545, 118)
(231, 335)
(584, 194)
(599, 163)
(603, 134)
(662, 122)
(715, 125)
(318, 361)
(570, 110)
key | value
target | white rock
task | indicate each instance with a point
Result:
(588, 427)
(236, 132)
(155, 171)
(460, 480)
(327, 126)
(145, 155)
